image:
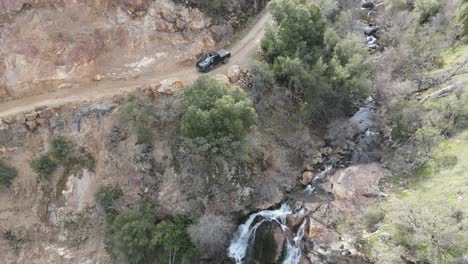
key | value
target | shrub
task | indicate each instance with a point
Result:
(373, 216)
(43, 165)
(106, 196)
(137, 237)
(132, 236)
(137, 112)
(217, 113)
(60, 148)
(212, 234)
(7, 174)
(464, 16)
(426, 9)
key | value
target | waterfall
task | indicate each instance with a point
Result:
(311, 187)
(293, 248)
(245, 234)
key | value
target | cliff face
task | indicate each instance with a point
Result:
(51, 45)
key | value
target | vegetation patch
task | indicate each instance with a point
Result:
(44, 166)
(216, 116)
(427, 223)
(138, 236)
(106, 196)
(7, 174)
(138, 113)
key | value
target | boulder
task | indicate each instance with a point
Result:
(307, 178)
(31, 116)
(268, 244)
(168, 86)
(9, 120)
(294, 221)
(320, 233)
(356, 185)
(233, 73)
(31, 125)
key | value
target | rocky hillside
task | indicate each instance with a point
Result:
(342, 141)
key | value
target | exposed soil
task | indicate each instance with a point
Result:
(242, 51)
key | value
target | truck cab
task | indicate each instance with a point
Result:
(213, 59)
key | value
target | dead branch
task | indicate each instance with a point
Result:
(426, 85)
(446, 90)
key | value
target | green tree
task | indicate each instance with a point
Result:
(298, 31)
(174, 238)
(215, 112)
(7, 174)
(137, 112)
(132, 238)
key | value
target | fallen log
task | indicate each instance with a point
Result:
(446, 90)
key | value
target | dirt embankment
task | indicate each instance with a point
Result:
(50, 46)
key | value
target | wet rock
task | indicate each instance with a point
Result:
(367, 144)
(294, 221)
(307, 178)
(371, 30)
(268, 244)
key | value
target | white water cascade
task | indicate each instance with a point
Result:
(293, 249)
(311, 187)
(245, 235)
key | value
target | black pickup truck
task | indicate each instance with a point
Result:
(212, 60)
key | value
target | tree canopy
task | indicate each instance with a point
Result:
(215, 112)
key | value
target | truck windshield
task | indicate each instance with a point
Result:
(207, 60)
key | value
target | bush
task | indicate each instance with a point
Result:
(464, 16)
(132, 236)
(219, 114)
(43, 165)
(212, 234)
(60, 148)
(7, 174)
(137, 112)
(106, 196)
(137, 237)
(373, 216)
(426, 9)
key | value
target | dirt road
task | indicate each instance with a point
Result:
(242, 52)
